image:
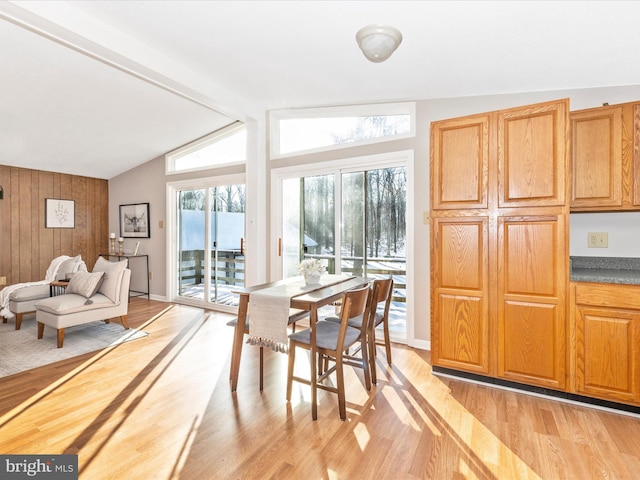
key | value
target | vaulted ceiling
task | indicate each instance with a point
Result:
(98, 87)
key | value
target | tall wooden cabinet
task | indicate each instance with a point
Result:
(460, 165)
(605, 163)
(499, 227)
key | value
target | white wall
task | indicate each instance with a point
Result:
(623, 229)
(143, 184)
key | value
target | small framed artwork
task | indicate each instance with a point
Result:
(134, 221)
(59, 213)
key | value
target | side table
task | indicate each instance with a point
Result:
(135, 280)
(58, 287)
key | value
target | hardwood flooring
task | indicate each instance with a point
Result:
(161, 408)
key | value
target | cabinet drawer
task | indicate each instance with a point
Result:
(608, 295)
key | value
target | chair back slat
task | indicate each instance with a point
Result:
(355, 302)
(384, 294)
(384, 290)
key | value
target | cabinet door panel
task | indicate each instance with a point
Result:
(462, 342)
(596, 165)
(606, 363)
(532, 155)
(532, 277)
(529, 247)
(529, 337)
(460, 256)
(460, 313)
(459, 163)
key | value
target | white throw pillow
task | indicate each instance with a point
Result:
(110, 287)
(85, 284)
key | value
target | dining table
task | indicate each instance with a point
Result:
(309, 299)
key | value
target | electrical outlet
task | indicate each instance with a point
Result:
(160, 224)
(3, 280)
(597, 240)
(150, 275)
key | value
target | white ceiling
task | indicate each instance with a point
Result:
(97, 87)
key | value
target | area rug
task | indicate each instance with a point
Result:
(21, 350)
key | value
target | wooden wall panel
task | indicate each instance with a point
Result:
(26, 246)
(46, 244)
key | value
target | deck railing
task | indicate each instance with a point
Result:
(376, 267)
(229, 263)
(230, 268)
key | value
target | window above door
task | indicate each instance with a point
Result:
(319, 129)
(227, 146)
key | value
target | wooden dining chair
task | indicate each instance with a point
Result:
(379, 314)
(380, 302)
(332, 339)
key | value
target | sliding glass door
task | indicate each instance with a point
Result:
(210, 246)
(227, 232)
(365, 235)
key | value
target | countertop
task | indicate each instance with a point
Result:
(622, 270)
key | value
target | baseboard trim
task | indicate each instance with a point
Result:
(548, 393)
(421, 344)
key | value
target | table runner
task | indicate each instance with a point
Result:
(269, 311)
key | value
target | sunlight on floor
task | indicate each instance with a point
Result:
(362, 435)
(25, 405)
(100, 418)
(431, 407)
(480, 449)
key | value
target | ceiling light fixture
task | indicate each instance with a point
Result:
(378, 42)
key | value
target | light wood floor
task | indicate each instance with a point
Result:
(161, 408)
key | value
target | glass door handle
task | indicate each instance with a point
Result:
(242, 246)
(279, 247)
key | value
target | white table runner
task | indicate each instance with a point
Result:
(269, 311)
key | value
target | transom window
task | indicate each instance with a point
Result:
(295, 131)
(224, 147)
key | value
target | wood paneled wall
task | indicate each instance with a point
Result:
(26, 246)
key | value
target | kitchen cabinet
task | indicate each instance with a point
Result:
(605, 158)
(460, 243)
(604, 350)
(460, 337)
(460, 163)
(499, 235)
(533, 299)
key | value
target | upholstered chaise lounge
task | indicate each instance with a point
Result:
(21, 298)
(90, 297)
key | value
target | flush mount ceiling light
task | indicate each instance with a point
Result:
(378, 42)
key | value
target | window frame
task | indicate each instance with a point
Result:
(380, 109)
(200, 143)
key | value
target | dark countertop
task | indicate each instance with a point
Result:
(620, 270)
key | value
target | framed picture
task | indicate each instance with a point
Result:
(59, 213)
(134, 221)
